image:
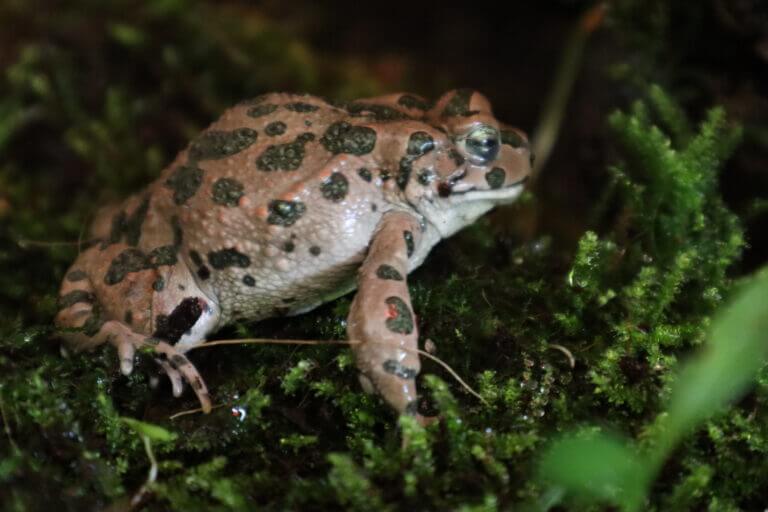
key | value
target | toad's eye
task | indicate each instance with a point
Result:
(482, 144)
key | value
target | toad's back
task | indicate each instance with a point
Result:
(276, 203)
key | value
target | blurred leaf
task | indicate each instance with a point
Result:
(127, 35)
(154, 432)
(737, 349)
(596, 466)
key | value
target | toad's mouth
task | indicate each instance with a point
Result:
(498, 195)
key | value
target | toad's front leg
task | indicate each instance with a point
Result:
(381, 320)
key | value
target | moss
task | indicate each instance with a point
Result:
(506, 308)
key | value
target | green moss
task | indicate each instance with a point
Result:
(631, 299)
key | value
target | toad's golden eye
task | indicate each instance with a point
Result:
(481, 144)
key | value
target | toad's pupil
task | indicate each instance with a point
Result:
(485, 148)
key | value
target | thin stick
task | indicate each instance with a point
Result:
(453, 373)
(270, 341)
(136, 499)
(568, 354)
(25, 243)
(192, 411)
(545, 134)
(266, 341)
(7, 426)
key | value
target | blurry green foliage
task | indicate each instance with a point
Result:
(598, 467)
(293, 430)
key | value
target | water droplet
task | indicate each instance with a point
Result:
(239, 412)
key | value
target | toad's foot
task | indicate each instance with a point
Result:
(174, 363)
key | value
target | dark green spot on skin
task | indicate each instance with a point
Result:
(75, 297)
(203, 272)
(495, 177)
(229, 257)
(179, 322)
(128, 226)
(420, 143)
(365, 174)
(399, 317)
(385, 175)
(289, 300)
(512, 138)
(335, 187)
(195, 257)
(227, 191)
(76, 275)
(388, 272)
(261, 110)
(275, 128)
(184, 182)
(285, 213)
(289, 246)
(248, 280)
(178, 233)
(177, 361)
(458, 104)
(342, 137)
(397, 369)
(315, 250)
(164, 255)
(411, 101)
(95, 322)
(425, 177)
(159, 284)
(301, 107)
(409, 246)
(217, 144)
(284, 157)
(128, 318)
(457, 157)
(376, 112)
(130, 260)
(404, 172)
(374, 207)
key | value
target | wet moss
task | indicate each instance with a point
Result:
(506, 308)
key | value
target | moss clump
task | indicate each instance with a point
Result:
(553, 336)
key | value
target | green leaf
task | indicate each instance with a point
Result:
(738, 347)
(153, 432)
(597, 467)
(128, 35)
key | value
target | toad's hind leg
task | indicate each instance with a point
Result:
(83, 324)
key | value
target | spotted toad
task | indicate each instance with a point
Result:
(282, 204)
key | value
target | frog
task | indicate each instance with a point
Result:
(284, 203)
